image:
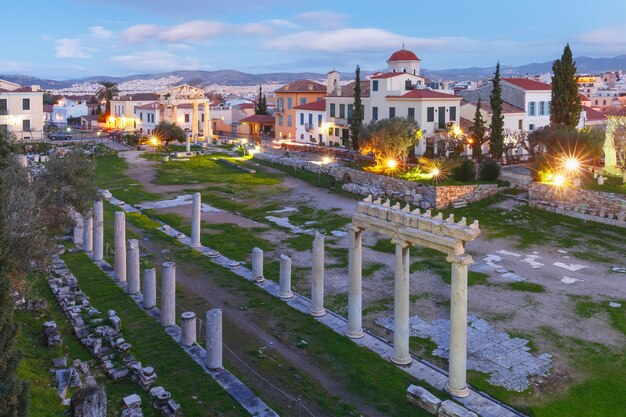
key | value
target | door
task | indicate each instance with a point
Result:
(441, 118)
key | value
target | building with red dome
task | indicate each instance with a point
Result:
(404, 61)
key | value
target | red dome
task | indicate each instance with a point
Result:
(403, 55)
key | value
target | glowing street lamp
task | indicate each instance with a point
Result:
(572, 164)
(559, 180)
(392, 164)
(435, 172)
(326, 160)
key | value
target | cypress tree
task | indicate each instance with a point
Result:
(565, 101)
(496, 127)
(356, 124)
(260, 107)
(13, 393)
(477, 129)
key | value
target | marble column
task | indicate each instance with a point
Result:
(188, 328)
(401, 355)
(213, 358)
(175, 114)
(149, 288)
(88, 232)
(196, 217)
(457, 383)
(194, 122)
(206, 128)
(98, 230)
(257, 265)
(168, 294)
(79, 224)
(317, 277)
(284, 283)
(187, 144)
(119, 244)
(355, 283)
(132, 267)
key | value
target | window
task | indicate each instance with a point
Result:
(280, 120)
(330, 131)
(350, 111)
(289, 102)
(375, 85)
(332, 109)
(310, 120)
(531, 127)
(520, 124)
(411, 114)
(342, 111)
(141, 116)
(337, 131)
(604, 102)
(202, 118)
(186, 117)
(301, 119)
(25, 104)
(407, 85)
(430, 114)
(531, 108)
(289, 121)
(26, 125)
(549, 107)
(320, 137)
(374, 113)
(453, 113)
(542, 108)
(319, 120)
(303, 100)
(3, 106)
(280, 103)
(302, 136)
(392, 112)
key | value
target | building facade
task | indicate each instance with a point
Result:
(67, 108)
(296, 93)
(21, 111)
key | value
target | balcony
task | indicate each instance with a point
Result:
(309, 127)
(340, 121)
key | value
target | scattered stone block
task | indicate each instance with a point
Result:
(452, 409)
(89, 402)
(424, 399)
(60, 362)
(132, 401)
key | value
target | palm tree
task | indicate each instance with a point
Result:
(107, 91)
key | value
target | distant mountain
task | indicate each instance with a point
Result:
(583, 63)
(238, 78)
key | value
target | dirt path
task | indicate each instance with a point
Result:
(245, 330)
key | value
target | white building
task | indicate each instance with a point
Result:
(21, 110)
(311, 125)
(123, 110)
(69, 107)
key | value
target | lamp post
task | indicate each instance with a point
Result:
(154, 142)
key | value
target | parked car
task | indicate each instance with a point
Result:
(59, 136)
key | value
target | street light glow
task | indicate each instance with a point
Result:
(572, 164)
(326, 160)
(559, 180)
(154, 141)
(457, 131)
(436, 172)
(392, 163)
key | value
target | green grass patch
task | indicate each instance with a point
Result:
(526, 286)
(612, 184)
(300, 242)
(110, 175)
(371, 268)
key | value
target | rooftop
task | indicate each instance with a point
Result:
(403, 55)
(426, 94)
(319, 105)
(265, 119)
(485, 105)
(348, 90)
(528, 85)
(302, 86)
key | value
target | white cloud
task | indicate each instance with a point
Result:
(608, 40)
(265, 27)
(156, 61)
(140, 33)
(99, 33)
(72, 48)
(351, 40)
(195, 30)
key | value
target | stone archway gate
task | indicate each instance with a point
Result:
(406, 228)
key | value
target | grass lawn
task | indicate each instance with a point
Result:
(176, 371)
(612, 184)
(110, 175)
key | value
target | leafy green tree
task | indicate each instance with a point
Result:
(13, 392)
(49, 98)
(356, 124)
(558, 139)
(496, 127)
(168, 132)
(260, 107)
(108, 90)
(477, 132)
(565, 101)
(389, 138)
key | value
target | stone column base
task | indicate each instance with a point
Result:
(460, 393)
(355, 335)
(286, 295)
(402, 361)
(318, 313)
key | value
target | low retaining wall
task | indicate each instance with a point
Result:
(597, 206)
(366, 183)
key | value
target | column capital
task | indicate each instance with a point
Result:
(353, 228)
(401, 242)
(460, 259)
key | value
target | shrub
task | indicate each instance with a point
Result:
(489, 170)
(464, 171)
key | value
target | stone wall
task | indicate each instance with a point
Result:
(598, 206)
(366, 183)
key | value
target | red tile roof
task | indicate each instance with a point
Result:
(47, 108)
(424, 93)
(506, 107)
(593, 114)
(139, 97)
(244, 106)
(529, 85)
(466, 124)
(302, 86)
(614, 111)
(388, 75)
(265, 119)
(18, 90)
(403, 55)
(583, 97)
(319, 105)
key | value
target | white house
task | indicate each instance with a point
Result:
(21, 110)
(123, 110)
(69, 107)
(311, 125)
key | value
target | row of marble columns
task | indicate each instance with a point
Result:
(457, 384)
(127, 269)
(195, 117)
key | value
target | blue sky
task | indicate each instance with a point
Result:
(64, 39)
